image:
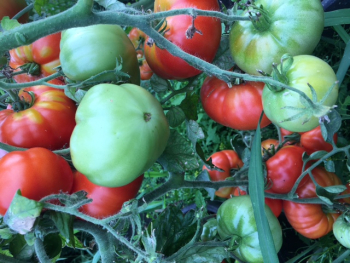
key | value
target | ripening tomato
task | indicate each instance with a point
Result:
(48, 122)
(310, 220)
(341, 229)
(225, 160)
(44, 52)
(284, 168)
(274, 204)
(106, 201)
(284, 26)
(312, 141)
(12, 7)
(203, 44)
(37, 172)
(238, 107)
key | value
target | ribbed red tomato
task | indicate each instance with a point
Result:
(203, 44)
(238, 107)
(37, 172)
(44, 52)
(48, 123)
(225, 160)
(107, 201)
(310, 220)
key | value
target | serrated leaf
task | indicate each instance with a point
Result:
(175, 116)
(194, 132)
(204, 253)
(158, 84)
(328, 129)
(53, 246)
(20, 249)
(8, 24)
(325, 195)
(189, 105)
(173, 229)
(178, 155)
(64, 223)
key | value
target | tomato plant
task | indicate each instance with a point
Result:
(238, 107)
(129, 131)
(312, 220)
(44, 53)
(11, 8)
(37, 172)
(83, 57)
(341, 229)
(236, 221)
(202, 44)
(293, 27)
(282, 106)
(225, 160)
(47, 122)
(284, 168)
(106, 201)
(274, 204)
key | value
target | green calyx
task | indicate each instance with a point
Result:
(260, 18)
(235, 242)
(20, 104)
(279, 73)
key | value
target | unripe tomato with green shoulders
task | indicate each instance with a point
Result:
(341, 229)
(121, 131)
(88, 51)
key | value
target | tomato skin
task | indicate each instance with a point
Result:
(312, 141)
(294, 27)
(45, 52)
(341, 230)
(48, 123)
(225, 160)
(274, 204)
(11, 8)
(129, 131)
(238, 107)
(236, 219)
(37, 172)
(310, 220)
(202, 45)
(82, 56)
(284, 168)
(304, 70)
(107, 201)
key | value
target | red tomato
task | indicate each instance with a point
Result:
(45, 52)
(225, 160)
(48, 123)
(268, 143)
(107, 201)
(203, 45)
(12, 7)
(274, 204)
(284, 168)
(238, 107)
(138, 38)
(37, 172)
(309, 219)
(312, 141)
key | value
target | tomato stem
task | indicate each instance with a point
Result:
(147, 116)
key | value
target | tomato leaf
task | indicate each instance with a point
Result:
(204, 253)
(317, 155)
(327, 194)
(329, 128)
(22, 213)
(159, 84)
(6, 233)
(204, 176)
(8, 24)
(20, 249)
(53, 246)
(173, 229)
(329, 165)
(189, 105)
(194, 132)
(178, 155)
(256, 192)
(223, 58)
(175, 116)
(111, 4)
(74, 93)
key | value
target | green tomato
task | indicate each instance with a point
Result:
(236, 221)
(87, 51)
(341, 229)
(285, 26)
(281, 106)
(120, 132)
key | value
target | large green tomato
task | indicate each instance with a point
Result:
(285, 26)
(87, 51)
(120, 132)
(341, 229)
(236, 221)
(304, 70)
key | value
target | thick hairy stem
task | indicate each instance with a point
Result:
(40, 251)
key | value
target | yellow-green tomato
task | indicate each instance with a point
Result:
(236, 221)
(284, 26)
(282, 105)
(88, 51)
(121, 131)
